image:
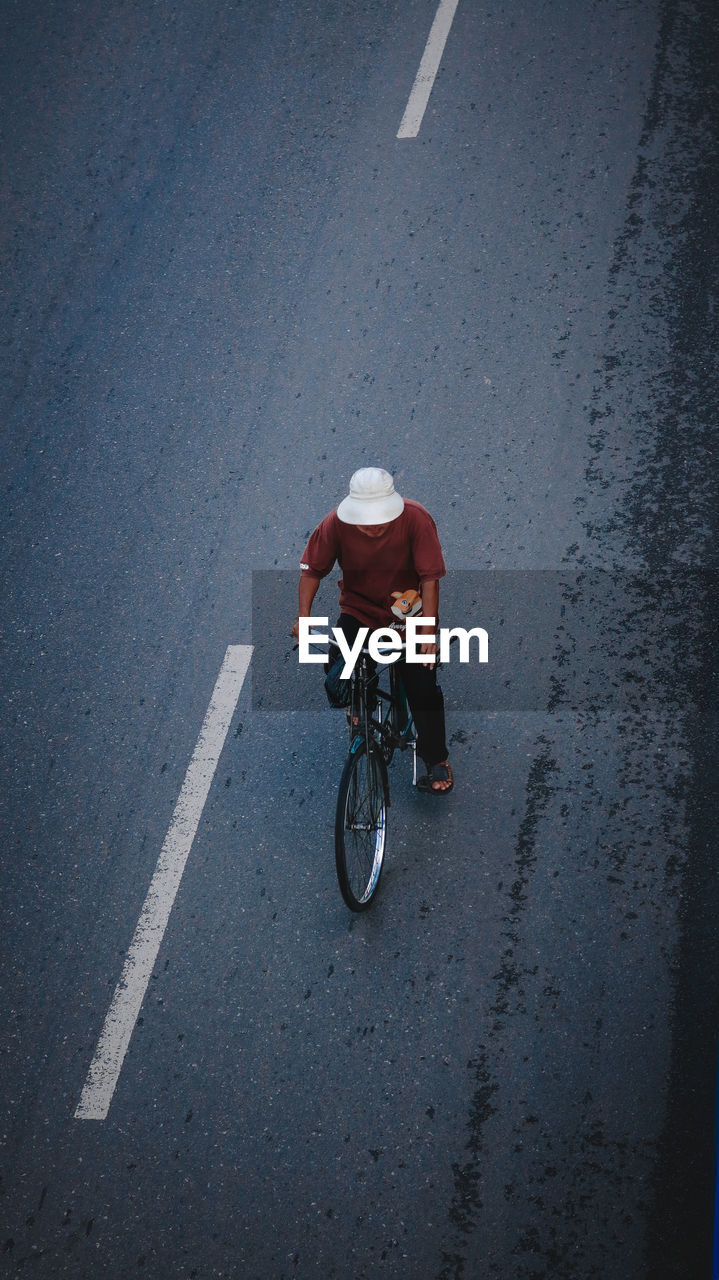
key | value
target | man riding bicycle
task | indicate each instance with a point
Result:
(391, 561)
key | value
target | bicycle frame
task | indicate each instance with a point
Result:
(380, 721)
(392, 728)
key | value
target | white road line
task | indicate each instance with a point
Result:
(130, 991)
(428, 67)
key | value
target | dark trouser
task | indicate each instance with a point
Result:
(423, 695)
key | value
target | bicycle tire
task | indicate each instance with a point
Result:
(385, 741)
(361, 826)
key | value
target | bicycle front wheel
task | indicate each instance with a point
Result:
(361, 826)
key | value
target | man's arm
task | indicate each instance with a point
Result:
(430, 609)
(318, 557)
(308, 591)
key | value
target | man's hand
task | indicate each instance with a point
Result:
(430, 609)
(428, 648)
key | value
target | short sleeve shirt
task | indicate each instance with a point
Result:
(407, 554)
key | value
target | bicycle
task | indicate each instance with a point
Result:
(380, 722)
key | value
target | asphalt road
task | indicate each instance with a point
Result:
(226, 285)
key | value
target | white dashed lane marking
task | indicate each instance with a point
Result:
(126, 1003)
(428, 67)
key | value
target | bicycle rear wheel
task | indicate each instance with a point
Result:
(361, 826)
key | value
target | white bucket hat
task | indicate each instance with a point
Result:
(372, 499)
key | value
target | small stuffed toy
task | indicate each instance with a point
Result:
(407, 603)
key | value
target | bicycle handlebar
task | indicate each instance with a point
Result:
(452, 640)
(322, 635)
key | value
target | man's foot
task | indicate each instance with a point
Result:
(438, 780)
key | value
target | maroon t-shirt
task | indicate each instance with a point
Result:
(400, 559)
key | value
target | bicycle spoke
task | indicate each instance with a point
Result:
(360, 830)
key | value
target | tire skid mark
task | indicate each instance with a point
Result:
(466, 1203)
